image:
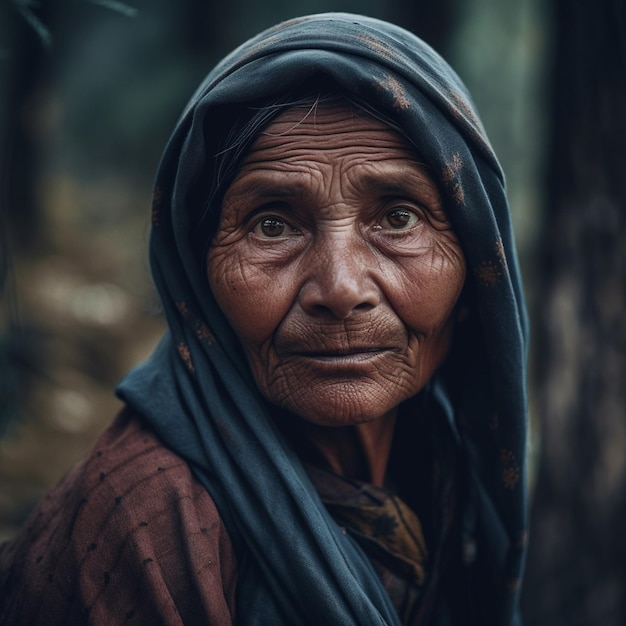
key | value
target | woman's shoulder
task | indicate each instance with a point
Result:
(128, 533)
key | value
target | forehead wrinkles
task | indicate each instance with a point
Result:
(334, 130)
(334, 152)
(345, 146)
(333, 176)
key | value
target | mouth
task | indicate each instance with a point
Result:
(323, 346)
(348, 356)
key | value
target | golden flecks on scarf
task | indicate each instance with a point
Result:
(183, 352)
(510, 469)
(501, 253)
(488, 273)
(463, 110)
(183, 309)
(453, 167)
(523, 540)
(392, 85)
(377, 46)
(203, 333)
(450, 177)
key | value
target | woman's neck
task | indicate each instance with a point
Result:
(359, 451)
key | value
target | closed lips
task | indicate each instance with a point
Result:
(325, 354)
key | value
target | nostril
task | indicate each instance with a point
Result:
(321, 310)
(338, 310)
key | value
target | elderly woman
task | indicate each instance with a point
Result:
(333, 429)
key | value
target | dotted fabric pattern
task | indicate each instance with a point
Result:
(128, 537)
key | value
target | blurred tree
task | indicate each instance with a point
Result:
(577, 564)
(27, 34)
(24, 39)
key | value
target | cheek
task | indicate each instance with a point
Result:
(253, 300)
(425, 296)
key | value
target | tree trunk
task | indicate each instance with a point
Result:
(577, 564)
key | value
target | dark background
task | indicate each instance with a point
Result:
(89, 91)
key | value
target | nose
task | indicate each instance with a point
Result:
(339, 277)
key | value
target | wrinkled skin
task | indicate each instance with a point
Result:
(338, 270)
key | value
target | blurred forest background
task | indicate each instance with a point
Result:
(89, 91)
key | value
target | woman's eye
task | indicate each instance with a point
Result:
(400, 218)
(273, 227)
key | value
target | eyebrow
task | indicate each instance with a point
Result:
(262, 187)
(283, 185)
(392, 187)
(411, 183)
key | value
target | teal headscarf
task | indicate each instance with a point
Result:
(196, 391)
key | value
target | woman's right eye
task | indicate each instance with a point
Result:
(272, 227)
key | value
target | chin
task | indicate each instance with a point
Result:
(336, 405)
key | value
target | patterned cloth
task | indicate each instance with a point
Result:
(198, 393)
(387, 530)
(128, 537)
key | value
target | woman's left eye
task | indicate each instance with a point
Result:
(400, 218)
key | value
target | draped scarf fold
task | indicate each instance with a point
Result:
(196, 391)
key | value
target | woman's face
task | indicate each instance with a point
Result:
(336, 266)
